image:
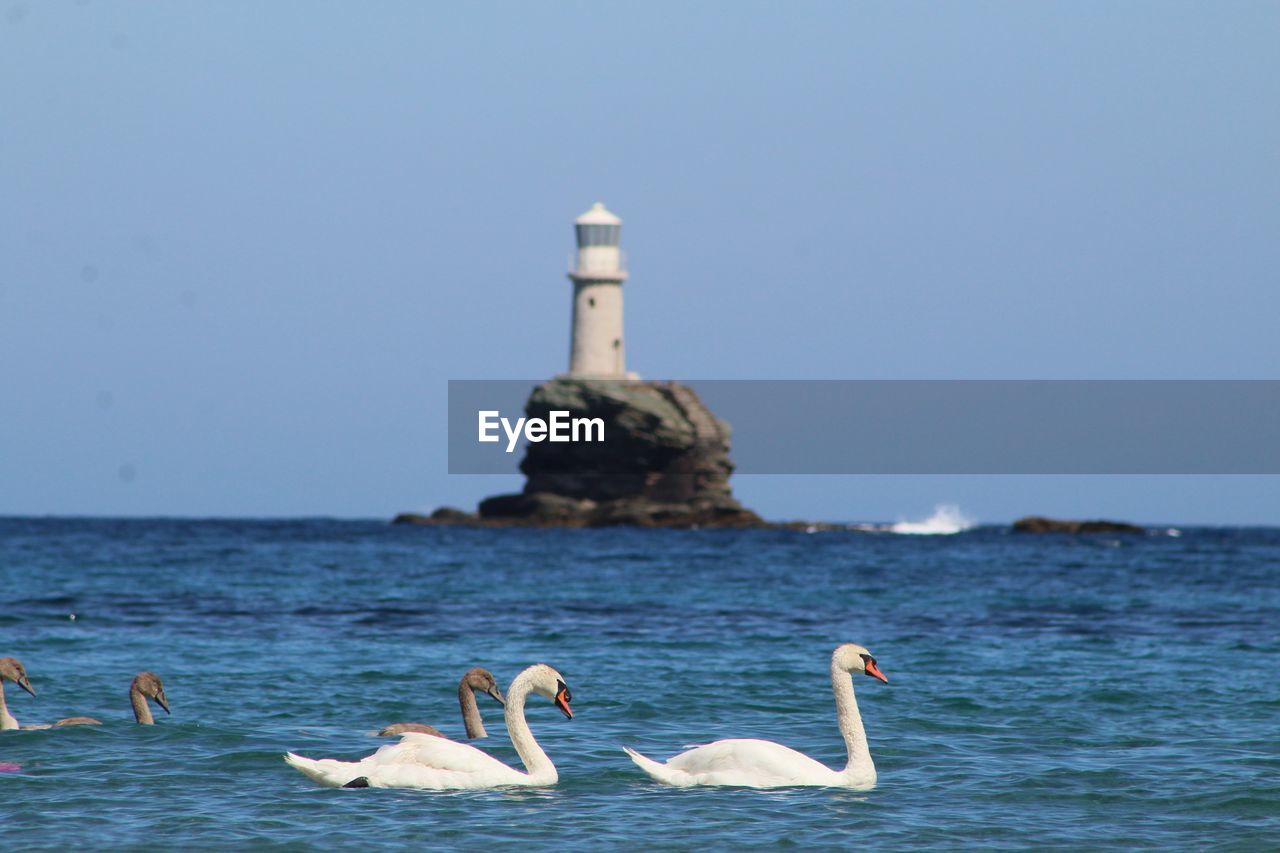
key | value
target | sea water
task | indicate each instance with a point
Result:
(1076, 691)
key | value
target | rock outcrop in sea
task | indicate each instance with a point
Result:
(1040, 524)
(664, 462)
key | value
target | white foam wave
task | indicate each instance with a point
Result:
(946, 519)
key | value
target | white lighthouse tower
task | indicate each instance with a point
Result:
(596, 348)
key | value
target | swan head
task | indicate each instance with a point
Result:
(853, 659)
(547, 682)
(11, 669)
(150, 686)
(481, 680)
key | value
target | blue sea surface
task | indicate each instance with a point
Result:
(1044, 690)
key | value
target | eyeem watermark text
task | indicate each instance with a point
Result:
(559, 427)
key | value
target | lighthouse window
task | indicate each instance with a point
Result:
(599, 235)
(591, 302)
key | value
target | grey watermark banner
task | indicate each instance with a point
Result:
(918, 426)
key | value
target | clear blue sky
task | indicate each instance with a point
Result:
(243, 245)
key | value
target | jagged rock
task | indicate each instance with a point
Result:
(664, 461)
(1040, 524)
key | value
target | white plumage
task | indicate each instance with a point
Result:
(424, 761)
(752, 763)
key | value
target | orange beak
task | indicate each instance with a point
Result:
(562, 702)
(874, 672)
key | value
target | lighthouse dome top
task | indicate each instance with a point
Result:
(598, 215)
(598, 227)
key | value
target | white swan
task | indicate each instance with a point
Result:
(11, 669)
(423, 761)
(752, 763)
(476, 680)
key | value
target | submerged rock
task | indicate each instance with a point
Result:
(443, 515)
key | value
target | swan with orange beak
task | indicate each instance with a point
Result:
(424, 761)
(752, 763)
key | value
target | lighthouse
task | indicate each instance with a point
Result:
(597, 272)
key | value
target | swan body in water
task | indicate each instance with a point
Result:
(752, 763)
(424, 761)
(145, 685)
(476, 680)
(11, 669)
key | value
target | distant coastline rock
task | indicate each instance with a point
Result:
(1040, 524)
(444, 515)
(664, 463)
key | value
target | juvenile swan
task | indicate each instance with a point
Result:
(11, 669)
(755, 763)
(422, 761)
(477, 680)
(145, 685)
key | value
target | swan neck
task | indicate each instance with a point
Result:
(850, 721)
(141, 710)
(7, 721)
(541, 770)
(470, 711)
